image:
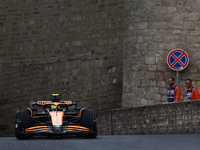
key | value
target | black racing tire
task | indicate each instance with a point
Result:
(88, 119)
(23, 122)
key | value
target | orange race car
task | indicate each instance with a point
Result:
(55, 118)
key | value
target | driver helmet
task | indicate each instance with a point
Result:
(53, 107)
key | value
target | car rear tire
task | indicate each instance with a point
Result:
(88, 119)
(22, 117)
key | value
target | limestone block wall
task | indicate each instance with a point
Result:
(152, 28)
(71, 47)
(174, 118)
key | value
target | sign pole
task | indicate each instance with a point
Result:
(177, 78)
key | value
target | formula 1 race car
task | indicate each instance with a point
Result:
(55, 118)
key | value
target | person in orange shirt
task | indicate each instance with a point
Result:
(192, 92)
(174, 91)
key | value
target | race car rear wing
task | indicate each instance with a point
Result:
(44, 103)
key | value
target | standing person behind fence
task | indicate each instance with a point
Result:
(174, 91)
(192, 92)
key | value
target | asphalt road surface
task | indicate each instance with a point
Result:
(119, 142)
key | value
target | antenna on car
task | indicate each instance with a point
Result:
(56, 97)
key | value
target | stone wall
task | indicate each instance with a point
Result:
(71, 47)
(174, 118)
(80, 49)
(152, 29)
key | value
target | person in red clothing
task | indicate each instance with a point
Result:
(192, 92)
(174, 91)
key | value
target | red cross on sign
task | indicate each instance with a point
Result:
(177, 59)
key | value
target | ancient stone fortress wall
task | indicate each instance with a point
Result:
(81, 48)
(152, 29)
(174, 118)
(71, 47)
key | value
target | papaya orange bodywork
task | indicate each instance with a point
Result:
(56, 117)
(36, 129)
(80, 112)
(77, 128)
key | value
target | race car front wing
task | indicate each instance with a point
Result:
(58, 129)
